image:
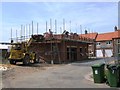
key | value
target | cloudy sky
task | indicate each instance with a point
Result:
(94, 16)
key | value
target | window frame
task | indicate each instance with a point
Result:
(108, 42)
(98, 43)
(118, 41)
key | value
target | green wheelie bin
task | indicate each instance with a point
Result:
(113, 75)
(98, 73)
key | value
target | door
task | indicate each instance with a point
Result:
(108, 53)
(72, 54)
(99, 53)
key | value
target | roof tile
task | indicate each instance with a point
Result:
(90, 35)
(108, 36)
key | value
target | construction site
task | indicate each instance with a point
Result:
(51, 47)
(57, 60)
(59, 45)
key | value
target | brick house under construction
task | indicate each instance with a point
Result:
(61, 48)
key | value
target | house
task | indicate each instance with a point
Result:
(105, 44)
(3, 50)
(62, 48)
(116, 45)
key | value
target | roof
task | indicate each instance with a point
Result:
(117, 34)
(108, 36)
(71, 36)
(90, 35)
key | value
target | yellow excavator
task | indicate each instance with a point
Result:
(20, 52)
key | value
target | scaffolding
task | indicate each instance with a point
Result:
(52, 38)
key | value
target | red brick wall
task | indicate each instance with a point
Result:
(44, 50)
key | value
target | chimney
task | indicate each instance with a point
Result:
(86, 32)
(11, 41)
(115, 28)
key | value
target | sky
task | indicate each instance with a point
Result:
(98, 17)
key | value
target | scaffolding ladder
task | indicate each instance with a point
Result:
(57, 52)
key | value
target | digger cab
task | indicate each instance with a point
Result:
(16, 53)
(17, 47)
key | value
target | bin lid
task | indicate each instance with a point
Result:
(98, 65)
(113, 66)
(118, 66)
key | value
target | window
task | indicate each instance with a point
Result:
(16, 47)
(98, 43)
(118, 40)
(85, 49)
(118, 50)
(81, 50)
(108, 42)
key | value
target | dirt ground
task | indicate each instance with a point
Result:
(19, 71)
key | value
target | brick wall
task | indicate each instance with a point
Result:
(44, 50)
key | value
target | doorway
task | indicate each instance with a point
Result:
(71, 54)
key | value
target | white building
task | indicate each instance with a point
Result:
(3, 50)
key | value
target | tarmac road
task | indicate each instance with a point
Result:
(71, 75)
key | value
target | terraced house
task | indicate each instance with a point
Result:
(106, 44)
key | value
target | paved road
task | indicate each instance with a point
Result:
(65, 76)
